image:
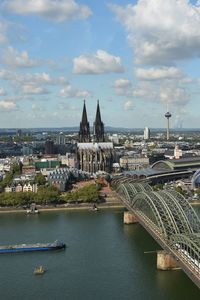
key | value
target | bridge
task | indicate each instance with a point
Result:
(170, 220)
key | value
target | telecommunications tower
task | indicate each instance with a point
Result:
(168, 116)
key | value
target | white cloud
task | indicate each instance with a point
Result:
(122, 83)
(143, 89)
(3, 31)
(167, 92)
(13, 58)
(101, 62)
(174, 95)
(70, 92)
(39, 78)
(6, 74)
(123, 87)
(31, 83)
(37, 108)
(128, 105)
(161, 31)
(58, 11)
(31, 78)
(66, 106)
(2, 92)
(7, 105)
(158, 74)
(33, 89)
(187, 80)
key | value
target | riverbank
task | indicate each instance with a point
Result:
(111, 201)
(82, 206)
(78, 206)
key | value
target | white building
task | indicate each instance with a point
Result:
(30, 188)
(9, 189)
(177, 152)
(133, 162)
(146, 133)
(114, 138)
(61, 139)
(70, 159)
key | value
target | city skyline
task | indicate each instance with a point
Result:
(136, 57)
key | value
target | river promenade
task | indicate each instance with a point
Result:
(111, 202)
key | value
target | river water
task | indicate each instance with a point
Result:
(104, 260)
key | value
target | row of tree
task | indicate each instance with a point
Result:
(50, 195)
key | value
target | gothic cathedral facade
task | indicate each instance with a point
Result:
(94, 154)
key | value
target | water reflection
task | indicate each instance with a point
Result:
(104, 259)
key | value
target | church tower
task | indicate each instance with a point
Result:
(84, 131)
(98, 127)
(96, 155)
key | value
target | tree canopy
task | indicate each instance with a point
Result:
(88, 193)
(50, 195)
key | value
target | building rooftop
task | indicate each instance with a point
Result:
(95, 146)
(175, 164)
(145, 172)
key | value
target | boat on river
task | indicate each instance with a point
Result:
(29, 211)
(32, 247)
(39, 270)
(33, 209)
(94, 208)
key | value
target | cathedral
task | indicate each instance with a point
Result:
(94, 154)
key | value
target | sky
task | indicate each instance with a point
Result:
(138, 58)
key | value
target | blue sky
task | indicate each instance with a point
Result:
(136, 57)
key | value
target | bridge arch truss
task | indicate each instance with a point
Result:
(170, 214)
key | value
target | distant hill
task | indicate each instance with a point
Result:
(107, 129)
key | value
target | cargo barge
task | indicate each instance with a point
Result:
(32, 247)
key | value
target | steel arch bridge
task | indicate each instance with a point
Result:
(169, 218)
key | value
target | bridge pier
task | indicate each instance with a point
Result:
(165, 261)
(129, 218)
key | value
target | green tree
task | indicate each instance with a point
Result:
(40, 179)
(16, 169)
(158, 186)
(47, 195)
(7, 180)
(180, 190)
(88, 193)
(15, 199)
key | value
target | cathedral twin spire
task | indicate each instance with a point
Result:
(84, 132)
(98, 127)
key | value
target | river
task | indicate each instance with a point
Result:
(104, 260)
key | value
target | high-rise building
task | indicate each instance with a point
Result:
(84, 132)
(60, 140)
(146, 133)
(98, 127)
(49, 147)
(19, 132)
